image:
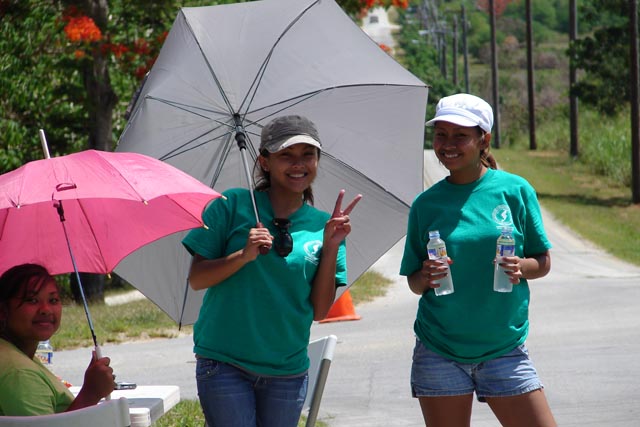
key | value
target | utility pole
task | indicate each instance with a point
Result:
(455, 51)
(442, 36)
(530, 80)
(635, 106)
(494, 77)
(465, 50)
(573, 100)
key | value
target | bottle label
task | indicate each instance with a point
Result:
(435, 253)
(506, 250)
(46, 357)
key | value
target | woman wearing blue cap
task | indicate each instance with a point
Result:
(473, 340)
(253, 329)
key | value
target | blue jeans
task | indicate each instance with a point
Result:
(232, 397)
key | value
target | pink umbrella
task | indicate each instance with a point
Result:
(86, 211)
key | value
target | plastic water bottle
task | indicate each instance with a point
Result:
(437, 249)
(505, 246)
(44, 352)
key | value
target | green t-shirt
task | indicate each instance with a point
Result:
(259, 318)
(27, 387)
(474, 323)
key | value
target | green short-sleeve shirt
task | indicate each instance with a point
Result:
(27, 387)
(474, 323)
(259, 319)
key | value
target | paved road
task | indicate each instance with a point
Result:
(585, 341)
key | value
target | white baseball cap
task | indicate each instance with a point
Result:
(464, 110)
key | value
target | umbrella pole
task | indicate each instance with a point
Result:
(241, 140)
(98, 350)
(58, 206)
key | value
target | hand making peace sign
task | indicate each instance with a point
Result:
(339, 225)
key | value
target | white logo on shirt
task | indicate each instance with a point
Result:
(312, 249)
(502, 215)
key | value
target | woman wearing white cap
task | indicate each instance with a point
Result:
(252, 333)
(473, 340)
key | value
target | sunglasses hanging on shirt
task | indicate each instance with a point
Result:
(282, 242)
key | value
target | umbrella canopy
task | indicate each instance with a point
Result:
(113, 203)
(225, 71)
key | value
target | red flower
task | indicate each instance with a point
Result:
(82, 28)
(117, 49)
(141, 47)
(385, 47)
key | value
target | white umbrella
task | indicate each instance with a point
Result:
(225, 71)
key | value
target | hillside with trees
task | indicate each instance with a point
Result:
(431, 30)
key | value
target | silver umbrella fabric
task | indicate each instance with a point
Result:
(228, 70)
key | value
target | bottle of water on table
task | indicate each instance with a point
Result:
(44, 352)
(437, 249)
(505, 247)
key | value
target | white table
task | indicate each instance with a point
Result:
(147, 403)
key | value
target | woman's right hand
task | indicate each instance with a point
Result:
(99, 380)
(425, 278)
(259, 240)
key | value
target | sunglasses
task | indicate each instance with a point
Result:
(282, 242)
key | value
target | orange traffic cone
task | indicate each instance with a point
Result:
(342, 309)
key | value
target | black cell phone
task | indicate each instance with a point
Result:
(120, 385)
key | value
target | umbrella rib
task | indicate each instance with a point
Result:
(305, 96)
(188, 108)
(253, 89)
(93, 234)
(184, 148)
(225, 153)
(213, 74)
(365, 177)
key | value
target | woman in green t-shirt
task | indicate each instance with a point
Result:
(30, 312)
(265, 283)
(472, 340)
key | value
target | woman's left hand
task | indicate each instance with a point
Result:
(513, 267)
(339, 225)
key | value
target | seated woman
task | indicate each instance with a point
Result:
(30, 312)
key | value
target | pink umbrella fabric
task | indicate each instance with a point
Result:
(114, 203)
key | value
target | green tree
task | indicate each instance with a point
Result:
(603, 55)
(70, 67)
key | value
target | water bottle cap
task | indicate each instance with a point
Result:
(507, 229)
(434, 233)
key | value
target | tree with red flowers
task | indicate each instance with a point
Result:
(499, 6)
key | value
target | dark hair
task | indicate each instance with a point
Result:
(12, 280)
(263, 178)
(486, 158)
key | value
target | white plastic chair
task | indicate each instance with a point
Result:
(320, 353)
(111, 413)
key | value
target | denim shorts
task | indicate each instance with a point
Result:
(233, 397)
(509, 375)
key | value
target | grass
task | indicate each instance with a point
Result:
(596, 207)
(135, 320)
(187, 413)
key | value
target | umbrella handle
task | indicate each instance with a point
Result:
(263, 249)
(98, 351)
